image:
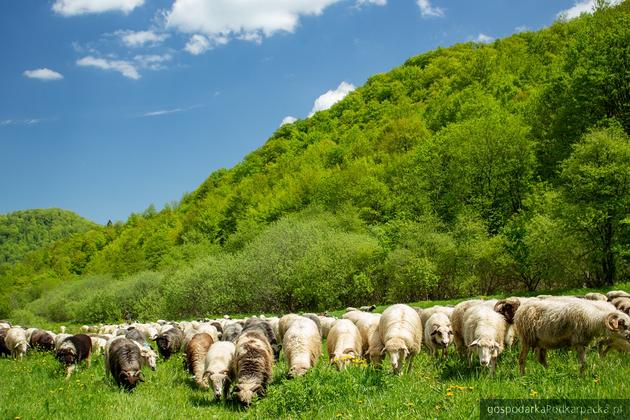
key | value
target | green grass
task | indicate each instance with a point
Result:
(35, 388)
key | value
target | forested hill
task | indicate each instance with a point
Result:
(469, 169)
(24, 231)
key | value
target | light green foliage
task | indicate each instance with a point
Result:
(469, 169)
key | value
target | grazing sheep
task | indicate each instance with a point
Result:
(302, 346)
(42, 340)
(73, 350)
(327, 323)
(367, 308)
(550, 324)
(4, 324)
(252, 367)
(366, 327)
(622, 304)
(484, 332)
(356, 315)
(16, 342)
(344, 343)
(217, 368)
(438, 333)
(196, 351)
(4, 350)
(400, 333)
(457, 323)
(264, 326)
(231, 332)
(616, 294)
(595, 296)
(123, 362)
(170, 342)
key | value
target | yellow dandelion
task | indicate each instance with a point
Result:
(449, 394)
(596, 380)
(533, 393)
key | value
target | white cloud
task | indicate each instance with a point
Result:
(331, 97)
(43, 74)
(125, 68)
(288, 120)
(138, 39)
(484, 39)
(198, 44)
(80, 7)
(162, 112)
(427, 10)
(579, 7)
(374, 2)
(152, 61)
(28, 121)
(249, 20)
(523, 28)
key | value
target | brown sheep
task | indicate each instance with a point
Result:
(252, 368)
(196, 351)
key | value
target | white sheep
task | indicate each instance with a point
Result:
(574, 323)
(302, 346)
(344, 343)
(326, 323)
(217, 370)
(425, 314)
(284, 323)
(400, 334)
(484, 332)
(367, 326)
(438, 333)
(16, 342)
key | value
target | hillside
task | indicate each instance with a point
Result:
(467, 170)
(24, 231)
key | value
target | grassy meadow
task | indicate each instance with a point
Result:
(35, 388)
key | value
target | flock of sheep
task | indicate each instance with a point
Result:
(239, 354)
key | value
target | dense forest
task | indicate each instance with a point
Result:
(472, 169)
(24, 231)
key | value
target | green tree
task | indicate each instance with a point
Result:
(596, 184)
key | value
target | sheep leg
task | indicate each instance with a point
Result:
(69, 370)
(493, 366)
(542, 356)
(459, 344)
(470, 357)
(522, 358)
(581, 355)
(88, 361)
(409, 364)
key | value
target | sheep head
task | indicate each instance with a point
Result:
(398, 352)
(130, 378)
(486, 349)
(619, 323)
(441, 335)
(247, 389)
(507, 308)
(220, 381)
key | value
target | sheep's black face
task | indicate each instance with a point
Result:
(129, 380)
(65, 356)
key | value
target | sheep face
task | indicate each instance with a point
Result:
(220, 382)
(247, 389)
(343, 360)
(441, 336)
(296, 371)
(619, 324)
(487, 351)
(150, 356)
(397, 358)
(66, 356)
(130, 378)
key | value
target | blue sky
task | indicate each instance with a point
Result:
(107, 106)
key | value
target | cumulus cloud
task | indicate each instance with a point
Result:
(579, 7)
(198, 44)
(523, 28)
(152, 61)
(140, 38)
(484, 39)
(81, 7)
(374, 2)
(427, 10)
(125, 68)
(288, 120)
(249, 20)
(43, 74)
(331, 97)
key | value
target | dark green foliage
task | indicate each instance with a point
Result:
(470, 169)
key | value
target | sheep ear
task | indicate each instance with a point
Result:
(474, 344)
(612, 322)
(383, 351)
(434, 329)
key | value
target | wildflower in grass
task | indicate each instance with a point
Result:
(409, 404)
(533, 393)
(449, 394)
